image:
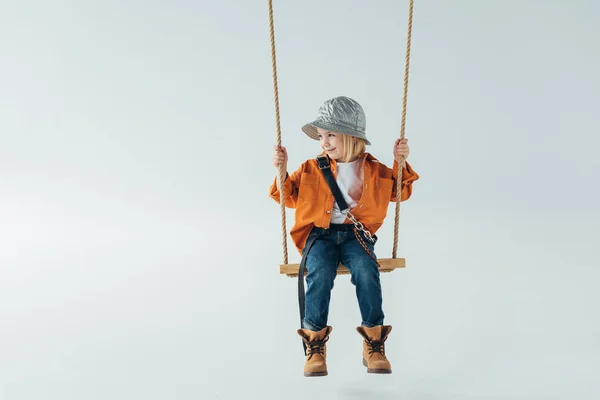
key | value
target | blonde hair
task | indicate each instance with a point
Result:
(353, 148)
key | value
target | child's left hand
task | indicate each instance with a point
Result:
(401, 149)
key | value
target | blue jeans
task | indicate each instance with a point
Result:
(333, 246)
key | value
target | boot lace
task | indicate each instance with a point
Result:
(376, 346)
(316, 347)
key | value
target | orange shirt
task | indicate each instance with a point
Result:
(307, 191)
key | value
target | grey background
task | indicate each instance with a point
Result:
(139, 250)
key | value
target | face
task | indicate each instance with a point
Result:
(332, 143)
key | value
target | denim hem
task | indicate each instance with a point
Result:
(309, 325)
(368, 325)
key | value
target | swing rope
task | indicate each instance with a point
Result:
(282, 173)
(403, 126)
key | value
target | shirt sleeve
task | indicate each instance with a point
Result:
(290, 188)
(409, 175)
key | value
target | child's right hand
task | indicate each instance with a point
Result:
(280, 156)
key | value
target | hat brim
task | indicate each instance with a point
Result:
(311, 130)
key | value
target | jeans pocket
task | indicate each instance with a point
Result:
(363, 235)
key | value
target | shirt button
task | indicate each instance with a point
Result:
(328, 212)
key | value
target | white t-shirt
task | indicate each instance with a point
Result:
(350, 180)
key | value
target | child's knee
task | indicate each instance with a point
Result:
(322, 274)
(365, 270)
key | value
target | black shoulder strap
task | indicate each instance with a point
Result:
(323, 164)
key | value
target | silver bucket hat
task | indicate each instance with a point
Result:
(341, 115)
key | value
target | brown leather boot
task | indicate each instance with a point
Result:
(373, 348)
(316, 350)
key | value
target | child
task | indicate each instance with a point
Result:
(324, 234)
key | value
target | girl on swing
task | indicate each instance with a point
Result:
(325, 235)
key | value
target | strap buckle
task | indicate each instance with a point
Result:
(322, 162)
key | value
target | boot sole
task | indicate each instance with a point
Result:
(311, 374)
(376, 370)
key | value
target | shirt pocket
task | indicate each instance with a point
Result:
(309, 186)
(383, 194)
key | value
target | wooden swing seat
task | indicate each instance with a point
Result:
(385, 265)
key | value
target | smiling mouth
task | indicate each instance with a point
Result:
(330, 150)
